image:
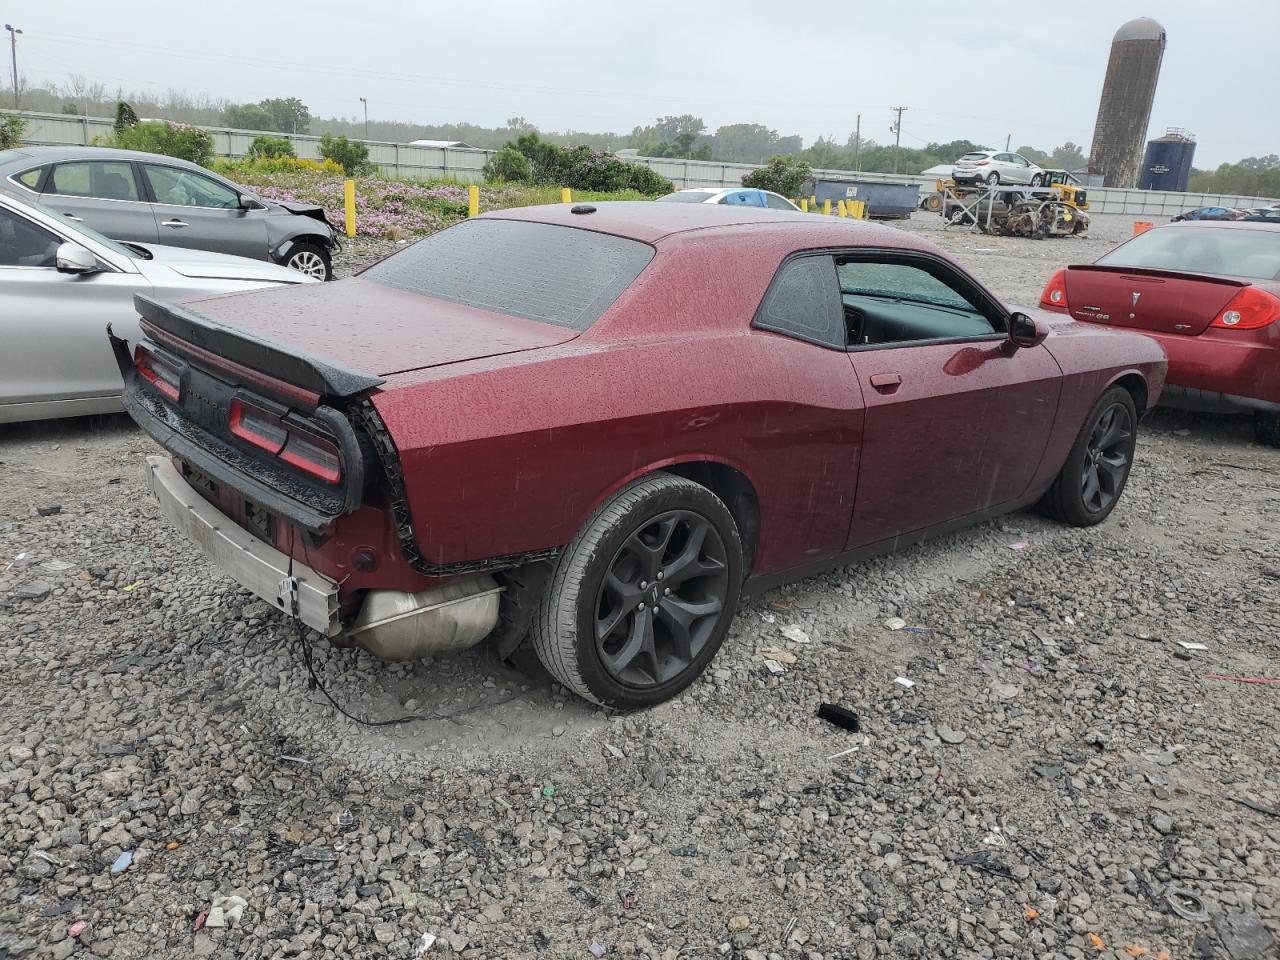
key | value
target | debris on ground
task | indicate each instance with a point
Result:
(795, 634)
(839, 716)
(895, 623)
(122, 862)
(778, 655)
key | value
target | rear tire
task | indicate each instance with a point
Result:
(993, 179)
(1037, 180)
(1266, 428)
(1090, 483)
(310, 259)
(609, 628)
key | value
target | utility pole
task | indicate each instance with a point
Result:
(1007, 140)
(13, 52)
(857, 144)
(366, 117)
(897, 136)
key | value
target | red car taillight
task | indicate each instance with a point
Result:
(1250, 309)
(159, 372)
(308, 451)
(981, 163)
(1054, 296)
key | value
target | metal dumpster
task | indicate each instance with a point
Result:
(883, 200)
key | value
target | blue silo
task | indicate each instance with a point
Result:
(1167, 164)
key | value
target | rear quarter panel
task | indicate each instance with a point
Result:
(1092, 359)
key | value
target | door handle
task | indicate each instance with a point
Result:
(72, 216)
(173, 223)
(886, 382)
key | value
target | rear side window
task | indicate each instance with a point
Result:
(804, 302)
(100, 179)
(537, 271)
(30, 178)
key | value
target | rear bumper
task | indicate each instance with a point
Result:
(1243, 373)
(1211, 401)
(252, 563)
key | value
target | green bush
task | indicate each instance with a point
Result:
(268, 148)
(160, 136)
(784, 175)
(583, 168)
(508, 165)
(10, 130)
(351, 156)
(125, 116)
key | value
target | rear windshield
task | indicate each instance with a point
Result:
(538, 271)
(974, 156)
(688, 196)
(1217, 250)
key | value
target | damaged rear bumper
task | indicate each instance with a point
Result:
(255, 565)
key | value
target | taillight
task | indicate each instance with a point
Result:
(1054, 296)
(981, 163)
(1250, 309)
(279, 436)
(163, 374)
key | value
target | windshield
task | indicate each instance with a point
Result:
(538, 271)
(1221, 251)
(688, 196)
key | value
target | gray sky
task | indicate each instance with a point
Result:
(610, 66)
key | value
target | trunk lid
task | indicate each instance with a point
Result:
(1142, 298)
(381, 330)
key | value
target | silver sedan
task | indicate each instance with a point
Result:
(62, 283)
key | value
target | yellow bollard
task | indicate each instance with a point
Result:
(841, 209)
(473, 201)
(804, 204)
(566, 195)
(826, 207)
(858, 208)
(813, 201)
(349, 205)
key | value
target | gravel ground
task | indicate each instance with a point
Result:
(1058, 765)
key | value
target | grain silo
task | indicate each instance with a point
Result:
(1167, 165)
(1125, 108)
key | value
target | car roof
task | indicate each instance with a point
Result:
(31, 156)
(651, 222)
(1222, 225)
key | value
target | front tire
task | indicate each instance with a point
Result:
(1090, 483)
(1266, 428)
(1037, 180)
(642, 598)
(310, 259)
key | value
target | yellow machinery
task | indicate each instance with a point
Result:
(1070, 191)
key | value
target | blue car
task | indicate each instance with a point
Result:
(1212, 213)
(733, 196)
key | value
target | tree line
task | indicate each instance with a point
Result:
(683, 136)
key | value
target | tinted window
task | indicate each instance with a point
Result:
(30, 178)
(24, 244)
(776, 202)
(100, 179)
(802, 301)
(974, 156)
(1228, 251)
(186, 189)
(904, 303)
(688, 196)
(537, 271)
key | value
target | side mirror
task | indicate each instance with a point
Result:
(250, 203)
(73, 258)
(1025, 331)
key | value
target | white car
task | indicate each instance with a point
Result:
(62, 283)
(733, 196)
(995, 168)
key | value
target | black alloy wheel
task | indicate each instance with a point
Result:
(661, 598)
(1107, 458)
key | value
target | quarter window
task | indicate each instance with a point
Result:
(183, 188)
(99, 179)
(23, 244)
(895, 302)
(802, 302)
(30, 178)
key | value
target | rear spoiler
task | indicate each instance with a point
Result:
(311, 373)
(1157, 272)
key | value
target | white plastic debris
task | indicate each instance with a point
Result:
(1186, 645)
(904, 682)
(794, 633)
(426, 943)
(774, 667)
(1020, 545)
(895, 623)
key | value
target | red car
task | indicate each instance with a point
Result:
(591, 426)
(1210, 294)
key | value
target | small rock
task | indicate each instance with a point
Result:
(558, 730)
(32, 590)
(217, 918)
(895, 623)
(656, 775)
(738, 922)
(795, 634)
(947, 735)
(1162, 822)
(49, 509)
(493, 913)
(384, 932)
(116, 781)
(242, 784)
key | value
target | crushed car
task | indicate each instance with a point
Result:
(593, 427)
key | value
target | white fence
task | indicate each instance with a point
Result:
(465, 163)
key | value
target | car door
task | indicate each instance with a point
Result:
(193, 210)
(957, 419)
(54, 324)
(102, 194)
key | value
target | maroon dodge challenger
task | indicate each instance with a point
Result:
(595, 426)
